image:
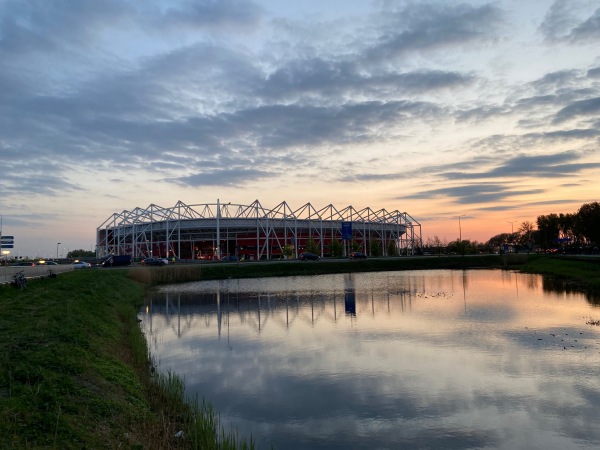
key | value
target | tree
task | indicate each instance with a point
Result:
(462, 247)
(336, 249)
(498, 241)
(80, 254)
(375, 247)
(526, 233)
(288, 251)
(436, 244)
(392, 250)
(548, 230)
(588, 222)
(313, 246)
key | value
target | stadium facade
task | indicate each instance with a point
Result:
(217, 230)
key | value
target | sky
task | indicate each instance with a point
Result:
(485, 110)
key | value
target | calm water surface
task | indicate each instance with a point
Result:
(426, 359)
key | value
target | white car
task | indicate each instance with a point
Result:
(81, 265)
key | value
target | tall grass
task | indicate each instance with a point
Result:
(199, 425)
(514, 259)
(151, 276)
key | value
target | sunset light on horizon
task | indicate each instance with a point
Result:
(474, 115)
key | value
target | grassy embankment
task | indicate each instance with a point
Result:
(74, 371)
(74, 365)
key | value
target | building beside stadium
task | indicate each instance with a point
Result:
(219, 230)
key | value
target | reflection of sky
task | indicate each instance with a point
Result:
(446, 359)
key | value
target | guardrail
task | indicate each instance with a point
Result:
(7, 273)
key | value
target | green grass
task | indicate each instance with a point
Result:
(74, 371)
(575, 269)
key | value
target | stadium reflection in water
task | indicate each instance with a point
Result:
(425, 359)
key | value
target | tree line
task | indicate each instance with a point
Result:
(577, 232)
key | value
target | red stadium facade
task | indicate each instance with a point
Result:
(218, 230)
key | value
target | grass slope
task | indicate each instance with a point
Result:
(67, 363)
(74, 371)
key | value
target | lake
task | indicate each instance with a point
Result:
(412, 359)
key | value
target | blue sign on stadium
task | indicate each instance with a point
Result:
(347, 231)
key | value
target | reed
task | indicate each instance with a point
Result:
(514, 259)
(151, 276)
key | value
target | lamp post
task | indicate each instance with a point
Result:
(512, 228)
(459, 229)
(57, 244)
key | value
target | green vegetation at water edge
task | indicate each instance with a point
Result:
(74, 372)
(584, 270)
(177, 273)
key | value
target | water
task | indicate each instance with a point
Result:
(424, 359)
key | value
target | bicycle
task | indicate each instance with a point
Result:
(19, 280)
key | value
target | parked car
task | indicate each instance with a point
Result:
(358, 255)
(117, 260)
(229, 258)
(81, 265)
(154, 262)
(308, 256)
(23, 263)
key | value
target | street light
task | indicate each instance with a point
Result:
(57, 244)
(512, 228)
(459, 229)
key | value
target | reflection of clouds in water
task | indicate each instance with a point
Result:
(459, 370)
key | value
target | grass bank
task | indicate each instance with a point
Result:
(74, 372)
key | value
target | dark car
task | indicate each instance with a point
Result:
(307, 256)
(154, 262)
(229, 258)
(24, 264)
(117, 260)
(358, 255)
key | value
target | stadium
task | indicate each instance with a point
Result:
(213, 231)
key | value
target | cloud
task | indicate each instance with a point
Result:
(546, 166)
(589, 30)
(323, 78)
(425, 26)
(594, 73)
(212, 14)
(473, 194)
(585, 108)
(231, 178)
(569, 22)
(558, 20)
